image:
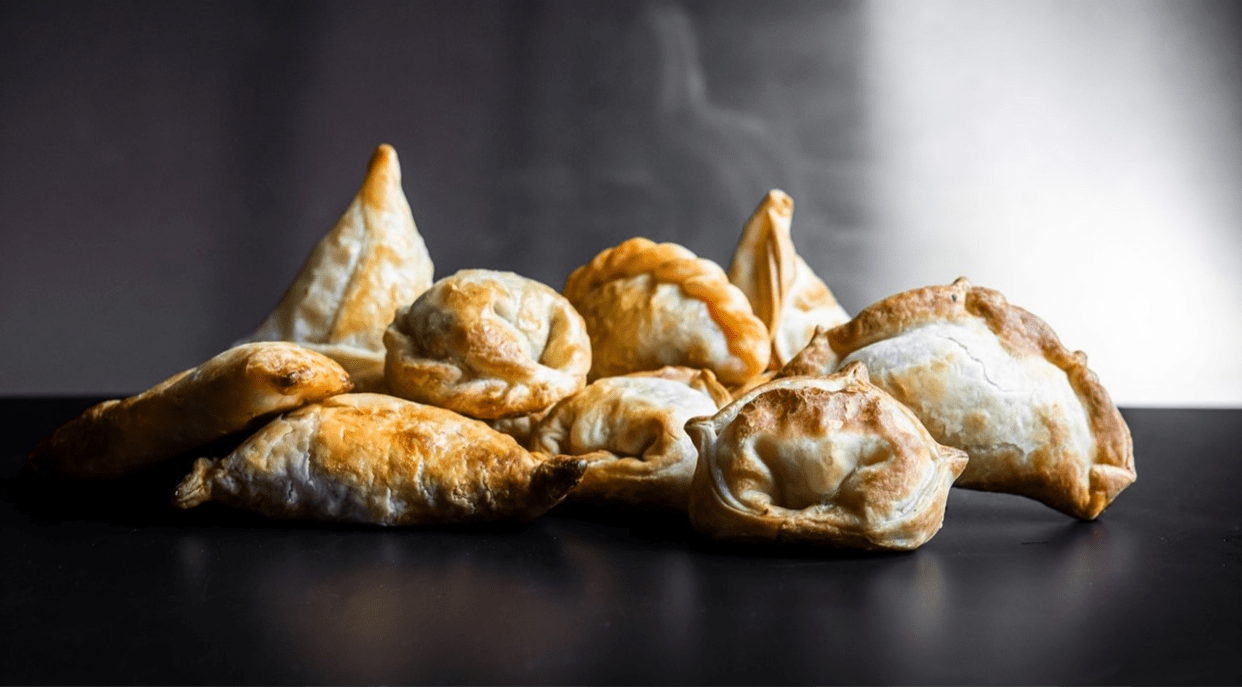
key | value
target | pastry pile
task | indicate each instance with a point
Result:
(747, 399)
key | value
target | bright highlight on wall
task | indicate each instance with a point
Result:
(1082, 158)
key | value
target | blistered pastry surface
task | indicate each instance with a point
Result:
(224, 395)
(649, 305)
(379, 459)
(829, 460)
(488, 344)
(636, 427)
(783, 290)
(370, 264)
(995, 380)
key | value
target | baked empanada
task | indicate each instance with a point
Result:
(634, 427)
(649, 305)
(829, 460)
(374, 458)
(994, 380)
(701, 380)
(487, 344)
(372, 263)
(783, 290)
(227, 394)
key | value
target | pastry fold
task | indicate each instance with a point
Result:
(649, 305)
(227, 394)
(994, 380)
(633, 427)
(783, 290)
(377, 459)
(370, 264)
(488, 344)
(827, 460)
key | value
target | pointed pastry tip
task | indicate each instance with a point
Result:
(383, 175)
(780, 202)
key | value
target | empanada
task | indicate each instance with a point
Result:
(372, 263)
(649, 305)
(487, 344)
(227, 394)
(829, 460)
(994, 380)
(637, 421)
(783, 290)
(701, 380)
(378, 459)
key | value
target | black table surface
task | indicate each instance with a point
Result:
(107, 583)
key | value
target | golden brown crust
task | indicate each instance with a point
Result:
(632, 428)
(370, 264)
(605, 292)
(488, 344)
(783, 290)
(830, 460)
(378, 459)
(1081, 487)
(228, 393)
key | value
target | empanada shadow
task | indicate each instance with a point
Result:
(139, 499)
(647, 525)
(652, 527)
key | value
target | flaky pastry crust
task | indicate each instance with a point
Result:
(488, 344)
(371, 263)
(993, 379)
(649, 305)
(830, 460)
(783, 290)
(229, 393)
(378, 459)
(632, 427)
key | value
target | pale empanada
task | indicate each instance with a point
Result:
(487, 344)
(829, 460)
(994, 380)
(633, 428)
(649, 305)
(378, 459)
(783, 290)
(227, 394)
(372, 263)
(701, 380)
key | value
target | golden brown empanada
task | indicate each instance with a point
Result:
(487, 344)
(994, 380)
(783, 290)
(637, 421)
(829, 460)
(649, 305)
(372, 263)
(229, 393)
(375, 458)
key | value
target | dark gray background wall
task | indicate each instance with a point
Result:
(166, 167)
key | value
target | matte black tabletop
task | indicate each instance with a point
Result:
(107, 583)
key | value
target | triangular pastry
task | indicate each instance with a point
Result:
(372, 262)
(487, 344)
(827, 460)
(649, 305)
(229, 393)
(373, 458)
(783, 290)
(994, 380)
(633, 427)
